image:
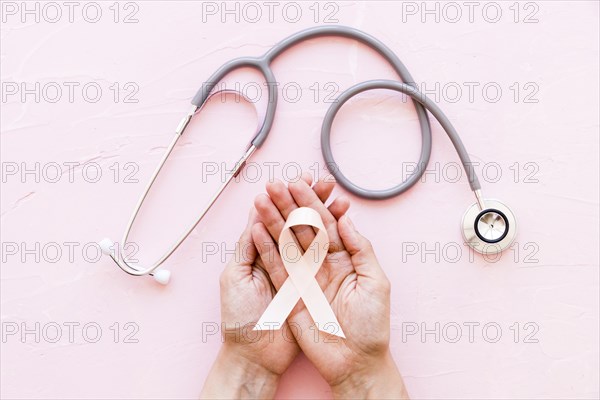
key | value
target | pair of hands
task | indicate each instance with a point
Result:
(353, 283)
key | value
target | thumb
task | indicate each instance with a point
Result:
(361, 251)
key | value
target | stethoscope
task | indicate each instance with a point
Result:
(488, 226)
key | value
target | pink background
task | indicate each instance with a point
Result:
(548, 279)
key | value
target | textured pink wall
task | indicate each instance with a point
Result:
(540, 132)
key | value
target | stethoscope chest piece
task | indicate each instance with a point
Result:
(490, 230)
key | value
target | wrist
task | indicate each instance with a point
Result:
(235, 376)
(244, 366)
(379, 379)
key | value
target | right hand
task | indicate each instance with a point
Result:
(354, 284)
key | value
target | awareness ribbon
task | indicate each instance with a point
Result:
(301, 282)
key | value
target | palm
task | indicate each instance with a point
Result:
(362, 312)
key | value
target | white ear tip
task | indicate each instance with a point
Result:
(107, 246)
(162, 276)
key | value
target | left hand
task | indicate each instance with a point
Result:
(250, 362)
(246, 291)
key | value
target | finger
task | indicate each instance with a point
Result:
(324, 187)
(269, 254)
(283, 200)
(269, 215)
(306, 197)
(339, 206)
(245, 251)
(361, 251)
(240, 265)
(306, 177)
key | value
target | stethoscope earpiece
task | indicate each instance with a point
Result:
(162, 276)
(106, 245)
(489, 227)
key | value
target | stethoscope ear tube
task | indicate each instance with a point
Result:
(163, 276)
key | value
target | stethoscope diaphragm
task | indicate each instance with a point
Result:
(491, 230)
(491, 225)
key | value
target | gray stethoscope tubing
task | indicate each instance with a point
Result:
(262, 64)
(425, 138)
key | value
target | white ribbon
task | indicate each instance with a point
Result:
(301, 283)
